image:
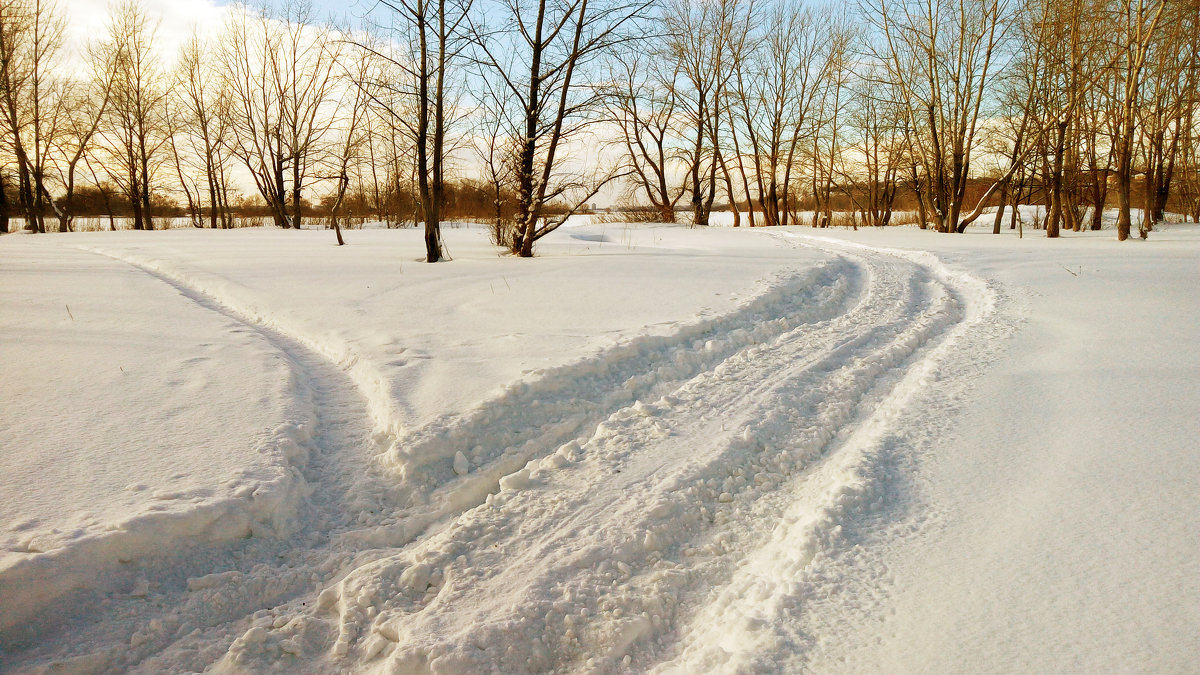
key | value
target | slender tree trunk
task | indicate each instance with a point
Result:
(297, 207)
(1124, 160)
(712, 190)
(523, 245)
(343, 181)
(213, 196)
(698, 215)
(733, 206)
(1000, 209)
(25, 194)
(135, 194)
(4, 208)
(39, 204)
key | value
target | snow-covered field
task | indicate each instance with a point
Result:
(650, 449)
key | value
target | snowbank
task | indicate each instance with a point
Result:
(135, 418)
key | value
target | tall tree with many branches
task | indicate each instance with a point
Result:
(541, 53)
(943, 55)
(422, 100)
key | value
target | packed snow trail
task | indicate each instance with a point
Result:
(625, 547)
(607, 515)
(191, 595)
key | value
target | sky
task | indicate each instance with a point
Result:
(88, 19)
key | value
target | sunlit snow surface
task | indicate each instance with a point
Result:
(648, 449)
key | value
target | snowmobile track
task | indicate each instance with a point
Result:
(624, 548)
(606, 516)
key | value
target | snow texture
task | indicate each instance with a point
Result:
(651, 449)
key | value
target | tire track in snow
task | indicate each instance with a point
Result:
(532, 418)
(751, 623)
(600, 555)
(338, 438)
(345, 523)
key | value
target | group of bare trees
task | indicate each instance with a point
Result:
(786, 112)
(957, 104)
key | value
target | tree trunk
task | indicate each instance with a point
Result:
(343, 181)
(1124, 221)
(698, 215)
(297, 208)
(4, 212)
(214, 196)
(1000, 209)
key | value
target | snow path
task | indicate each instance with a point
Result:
(659, 506)
(227, 298)
(194, 600)
(764, 620)
(656, 524)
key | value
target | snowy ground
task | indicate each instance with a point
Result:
(649, 449)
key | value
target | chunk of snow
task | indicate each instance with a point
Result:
(518, 480)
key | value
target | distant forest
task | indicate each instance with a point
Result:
(521, 112)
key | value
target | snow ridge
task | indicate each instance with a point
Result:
(454, 463)
(264, 546)
(235, 302)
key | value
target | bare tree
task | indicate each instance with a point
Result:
(1134, 25)
(435, 33)
(777, 91)
(1169, 103)
(391, 142)
(943, 56)
(737, 51)
(134, 128)
(1061, 62)
(248, 45)
(827, 133)
(871, 176)
(642, 104)
(352, 128)
(495, 148)
(206, 117)
(698, 38)
(541, 55)
(31, 38)
(281, 76)
(303, 73)
(84, 103)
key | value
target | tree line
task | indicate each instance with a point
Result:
(522, 111)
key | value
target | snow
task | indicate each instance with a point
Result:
(649, 449)
(1067, 483)
(90, 369)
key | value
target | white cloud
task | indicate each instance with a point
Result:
(87, 20)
